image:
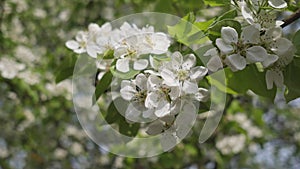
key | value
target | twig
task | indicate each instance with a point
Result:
(291, 19)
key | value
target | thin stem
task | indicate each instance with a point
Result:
(291, 19)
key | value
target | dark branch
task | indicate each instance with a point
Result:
(291, 19)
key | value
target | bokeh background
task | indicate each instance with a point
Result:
(39, 127)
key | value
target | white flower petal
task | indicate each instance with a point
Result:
(174, 93)
(168, 141)
(226, 48)
(127, 93)
(120, 51)
(277, 3)
(274, 76)
(189, 87)
(189, 62)
(152, 100)
(163, 108)
(122, 65)
(169, 77)
(72, 44)
(176, 60)
(256, 54)
(141, 81)
(211, 52)
(185, 120)
(133, 114)
(155, 128)
(270, 60)
(247, 14)
(250, 34)
(198, 72)
(281, 46)
(202, 95)
(214, 64)
(140, 64)
(229, 35)
(153, 82)
(237, 62)
(149, 114)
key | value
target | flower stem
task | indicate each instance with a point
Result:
(291, 19)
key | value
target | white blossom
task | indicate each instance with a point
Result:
(135, 91)
(240, 52)
(181, 72)
(231, 144)
(9, 68)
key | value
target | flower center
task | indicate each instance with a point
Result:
(182, 74)
(140, 96)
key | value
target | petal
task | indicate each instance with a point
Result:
(247, 14)
(269, 79)
(270, 60)
(153, 82)
(189, 87)
(277, 3)
(185, 120)
(189, 62)
(214, 64)
(140, 64)
(92, 50)
(155, 128)
(127, 93)
(141, 81)
(272, 34)
(174, 93)
(281, 46)
(237, 62)
(163, 108)
(274, 76)
(256, 54)
(152, 100)
(250, 34)
(72, 44)
(202, 94)
(168, 141)
(120, 51)
(211, 52)
(169, 77)
(122, 65)
(198, 72)
(229, 35)
(133, 114)
(224, 47)
(149, 114)
(176, 60)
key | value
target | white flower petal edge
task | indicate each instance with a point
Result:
(277, 3)
(236, 62)
(274, 76)
(229, 35)
(122, 65)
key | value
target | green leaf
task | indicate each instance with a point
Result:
(215, 31)
(296, 41)
(186, 32)
(292, 81)
(217, 2)
(103, 84)
(128, 129)
(204, 25)
(129, 75)
(65, 70)
(113, 114)
(241, 81)
(228, 15)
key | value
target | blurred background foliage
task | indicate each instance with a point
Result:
(39, 127)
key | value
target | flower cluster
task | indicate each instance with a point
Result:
(166, 84)
(128, 42)
(260, 41)
(163, 94)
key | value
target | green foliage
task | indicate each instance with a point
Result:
(248, 79)
(65, 70)
(217, 2)
(103, 84)
(296, 42)
(291, 80)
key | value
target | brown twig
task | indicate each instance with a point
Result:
(291, 19)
